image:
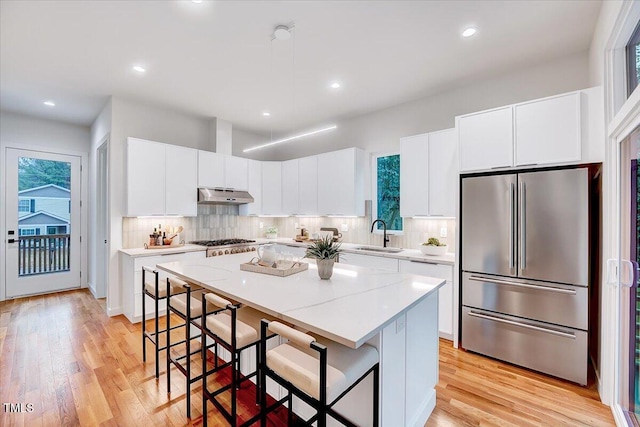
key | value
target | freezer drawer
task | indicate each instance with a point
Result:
(553, 303)
(553, 350)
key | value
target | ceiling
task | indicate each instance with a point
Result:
(217, 58)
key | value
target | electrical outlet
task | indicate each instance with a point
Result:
(345, 227)
(261, 225)
(443, 232)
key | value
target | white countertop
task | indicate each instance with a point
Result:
(406, 254)
(175, 249)
(350, 308)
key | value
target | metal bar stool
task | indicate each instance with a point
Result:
(318, 374)
(189, 309)
(235, 329)
(156, 290)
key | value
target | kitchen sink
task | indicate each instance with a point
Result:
(379, 249)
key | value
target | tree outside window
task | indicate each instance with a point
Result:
(387, 185)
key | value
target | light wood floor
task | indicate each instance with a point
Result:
(77, 366)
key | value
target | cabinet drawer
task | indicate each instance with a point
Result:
(379, 263)
(552, 303)
(439, 271)
(151, 261)
(554, 350)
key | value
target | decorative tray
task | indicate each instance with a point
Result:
(146, 246)
(256, 268)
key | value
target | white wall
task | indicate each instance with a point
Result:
(17, 130)
(381, 130)
(606, 20)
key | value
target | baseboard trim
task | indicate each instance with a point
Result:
(114, 311)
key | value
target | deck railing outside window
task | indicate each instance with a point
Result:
(44, 254)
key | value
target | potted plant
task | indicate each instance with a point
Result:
(433, 246)
(271, 232)
(324, 251)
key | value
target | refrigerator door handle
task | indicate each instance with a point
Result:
(523, 285)
(512, 220)
(522, 325)
(523, 226)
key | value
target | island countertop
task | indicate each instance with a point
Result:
(350, 308)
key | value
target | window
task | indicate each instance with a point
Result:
(24, 205)
(27, 232)
(633, 61)
(386, 200)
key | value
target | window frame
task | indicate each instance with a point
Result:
(374, 191)
(630, 61)
(21, 204)
(22, 232)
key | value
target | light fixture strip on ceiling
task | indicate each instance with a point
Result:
(291, 138)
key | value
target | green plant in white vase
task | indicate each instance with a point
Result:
(271, 232)
(324, 251)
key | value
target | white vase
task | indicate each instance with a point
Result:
(271, 235)
(325, 268)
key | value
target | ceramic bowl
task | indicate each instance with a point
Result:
(433, 250)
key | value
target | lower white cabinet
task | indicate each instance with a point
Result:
(445, 294)
(131, 280)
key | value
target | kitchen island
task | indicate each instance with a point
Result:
(396, 313)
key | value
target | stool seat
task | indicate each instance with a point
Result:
(301, 366)
(150, 288)
(179, 303)
(247, 326)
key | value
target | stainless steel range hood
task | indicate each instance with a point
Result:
(219, 196)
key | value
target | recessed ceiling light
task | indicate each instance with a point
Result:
(139, 69)
(197, 1)
(49, 103)
(266, 113)
(469, 32)
(335, 85)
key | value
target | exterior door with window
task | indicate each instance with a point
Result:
(42, 222)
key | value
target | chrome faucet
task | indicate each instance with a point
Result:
(384, 225)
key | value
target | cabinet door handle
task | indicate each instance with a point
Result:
(423, 262)
(524, 285)
(522, 325)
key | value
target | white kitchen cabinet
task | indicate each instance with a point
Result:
(341, 182)
(308, 185)
(414, 175)
(131, 281)
(369, 261)
(548, 130)
(429, 174)
(254, 188)
(181, 181)
(236, 173)
(210, 169)
(145, 177)
(445, 293)
(272, 188)
(161, 179)
(486, 139)
(290, 187)
(443, 173)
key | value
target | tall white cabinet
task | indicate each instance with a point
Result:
(341, 182)
(254, 184)
(428, 174)
(272, 188)
(290, 187)
(308, 185)
(161, 179)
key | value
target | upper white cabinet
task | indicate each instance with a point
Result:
(161, 179)
(548, 130)
(308, 185)
(290, 187)
(562, 129)
(341, 182)
(236, 173)
(414, 176)
(486, 139)
(255, 189)
(181, 181)
(221, 171)
(272, 188)
(210, 169)
(429, 174)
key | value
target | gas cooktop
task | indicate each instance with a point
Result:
(221, 242)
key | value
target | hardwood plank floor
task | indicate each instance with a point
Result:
(77, 366)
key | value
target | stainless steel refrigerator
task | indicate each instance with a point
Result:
(525, 247)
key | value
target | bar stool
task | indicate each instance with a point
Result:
(235, 329)
(320, 374)
(189, 309)
(156, 290)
